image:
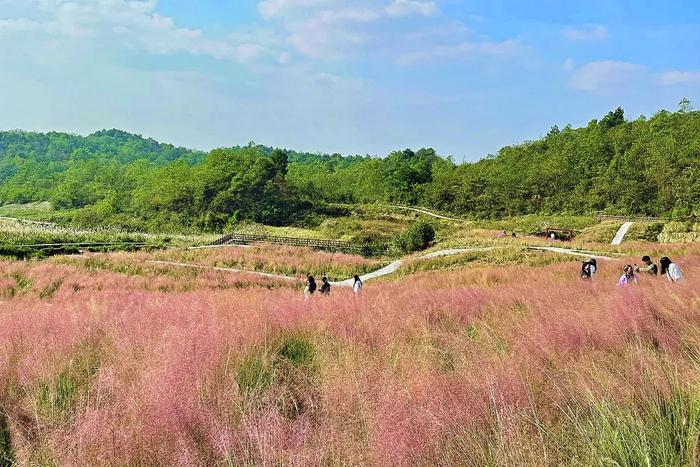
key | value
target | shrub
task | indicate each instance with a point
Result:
(417, 237)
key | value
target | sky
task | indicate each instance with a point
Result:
(345, 76)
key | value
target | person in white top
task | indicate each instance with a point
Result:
(628, 277)
(589, 268)
(670, 269)
(357, 285)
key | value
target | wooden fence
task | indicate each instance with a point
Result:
(316, 244)
(628, 218)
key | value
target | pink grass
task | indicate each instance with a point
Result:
(400, 373)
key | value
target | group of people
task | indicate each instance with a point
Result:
(325, 289)
(630, 273)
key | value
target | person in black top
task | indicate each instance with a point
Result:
(588, 268)
(310, 287)
(325, 287)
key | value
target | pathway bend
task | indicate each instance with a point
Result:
(387, 270)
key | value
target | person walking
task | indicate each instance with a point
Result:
(649, 266)
(310, 287)
(628, 277)
(357, 285)
(670, 269)
(589, 268)
(325, 287)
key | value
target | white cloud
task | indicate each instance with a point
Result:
(678, 78)
(333, 33)
(411, 7)
(462, 50)
(133, 23)
(606, 75)
(568, 64)
(586, 32)
(345, 29)
(271, 8)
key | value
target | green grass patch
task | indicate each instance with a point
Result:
(56, 399)
(50, 290)
(663, 430)
(7, 458)
(282, 374)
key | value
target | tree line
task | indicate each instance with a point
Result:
(641, 167)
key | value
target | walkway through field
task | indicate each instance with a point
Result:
(621, 233)
(427, 213)
(386, 270)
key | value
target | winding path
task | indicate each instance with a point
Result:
(386, 270)
(621, 233)
(427, 213)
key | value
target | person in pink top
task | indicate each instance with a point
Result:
(628, 277)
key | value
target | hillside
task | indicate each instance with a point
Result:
(642, 167)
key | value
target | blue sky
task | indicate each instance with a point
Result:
(355, 77)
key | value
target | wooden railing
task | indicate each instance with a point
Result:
(629, 218)
(314, 243)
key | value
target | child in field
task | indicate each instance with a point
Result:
(649, 266)
(310, 287)
(325, 287)
(670, 269)
(357, 285)
(628, 277)
(588, 268)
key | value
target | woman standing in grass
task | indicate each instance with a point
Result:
(357, 285)
(670, 269)
(325, 287)
(310, 287)
(628, 276)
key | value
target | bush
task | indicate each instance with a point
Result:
(417, 237)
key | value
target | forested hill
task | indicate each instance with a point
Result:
(118, 145)
(646, 166)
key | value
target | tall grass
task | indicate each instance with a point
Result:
(501, 365)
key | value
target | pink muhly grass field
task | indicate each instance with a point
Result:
(286, 260)
(489, 366)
